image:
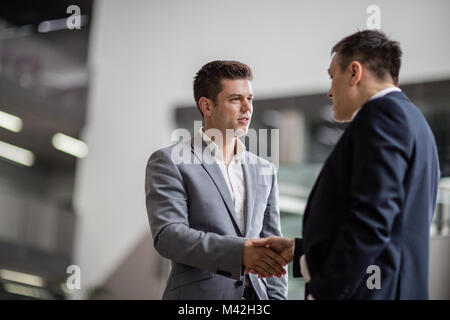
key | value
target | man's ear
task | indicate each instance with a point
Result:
(206, 106)
(355, 68)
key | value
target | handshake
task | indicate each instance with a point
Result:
(267, 257)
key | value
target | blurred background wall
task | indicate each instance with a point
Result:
(130, 82)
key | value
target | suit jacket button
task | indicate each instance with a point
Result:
(238, 283)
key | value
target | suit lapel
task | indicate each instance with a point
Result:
(213, 170)
(250, 177)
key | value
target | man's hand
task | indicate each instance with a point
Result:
(283, 246)
(262, 260)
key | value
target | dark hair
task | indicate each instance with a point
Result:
(207, 81)
(373, 49)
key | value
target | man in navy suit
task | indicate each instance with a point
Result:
(367, 221)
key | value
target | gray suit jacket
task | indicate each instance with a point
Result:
(194, 224)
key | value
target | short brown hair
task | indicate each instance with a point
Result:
(207, 81)
(373, 49)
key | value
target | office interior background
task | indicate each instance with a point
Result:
(81, 110)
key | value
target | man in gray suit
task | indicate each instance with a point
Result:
(206, 206)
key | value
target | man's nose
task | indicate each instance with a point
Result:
(330, 95)
(246, 106)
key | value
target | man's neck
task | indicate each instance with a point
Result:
(368, 93)
(374, 89)
(228, 146)
(230, 149)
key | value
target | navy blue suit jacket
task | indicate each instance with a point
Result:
(372, 204)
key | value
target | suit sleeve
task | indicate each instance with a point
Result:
(167, 208)
(298, 252)
(380, 148)
(276, 287)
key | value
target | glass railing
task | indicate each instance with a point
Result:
(441, 219)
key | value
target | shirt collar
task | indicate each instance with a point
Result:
(379, 94)
(214, 149)
(384, 92)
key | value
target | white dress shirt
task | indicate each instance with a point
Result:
(233, 175)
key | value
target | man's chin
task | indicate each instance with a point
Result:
(340, 119)
(237, 132)
(241, 131)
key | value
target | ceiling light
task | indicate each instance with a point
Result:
(10, 122)
(58, 24)
(21, 277)
(16, 154)
(70, 145)
(21, 290)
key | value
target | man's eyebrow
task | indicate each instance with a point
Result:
(238, 95)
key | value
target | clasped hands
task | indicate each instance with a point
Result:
(268, 256)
